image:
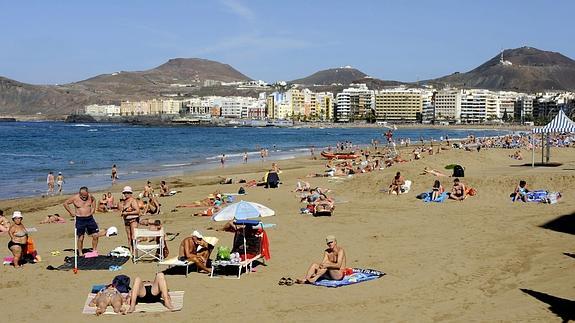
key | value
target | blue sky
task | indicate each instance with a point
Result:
(48, 42)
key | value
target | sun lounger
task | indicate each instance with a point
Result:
(248, 243)
(175, 262)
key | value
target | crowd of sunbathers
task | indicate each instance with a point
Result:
(317, 202)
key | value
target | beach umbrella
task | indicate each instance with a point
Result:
(243, 210)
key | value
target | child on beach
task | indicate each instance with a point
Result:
(520, 192)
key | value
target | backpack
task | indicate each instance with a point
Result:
(242, 190)
(122, 283)
(458, 171)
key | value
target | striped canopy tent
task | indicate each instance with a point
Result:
(560, 124)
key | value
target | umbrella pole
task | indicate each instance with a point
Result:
(245, 247)
(542, 147)
(533, 150)
(75, 249)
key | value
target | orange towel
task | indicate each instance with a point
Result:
(265, 246)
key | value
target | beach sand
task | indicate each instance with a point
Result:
(451, 261)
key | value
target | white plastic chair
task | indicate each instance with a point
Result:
(145, 248)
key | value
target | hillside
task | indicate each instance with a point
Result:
(342, 75)
(177, 76)
(523, 69)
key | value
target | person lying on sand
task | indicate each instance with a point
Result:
(332, 265)
(109, 296)
(208, 201)
(53, 218)
(145, 291)
(324, 204)
(433, 172)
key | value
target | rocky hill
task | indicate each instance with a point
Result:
(177, 76)
(341, 75)
(525, 69)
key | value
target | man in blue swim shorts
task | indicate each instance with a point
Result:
(85, 206)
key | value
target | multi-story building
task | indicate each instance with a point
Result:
(98, 110)
(398, 104)
(506, 104)
(448, 104)
(474, 105)
(523, 107)
(324, 106)
(355, 103)
(428, 105)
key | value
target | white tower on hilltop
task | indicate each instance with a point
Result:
(504, 62)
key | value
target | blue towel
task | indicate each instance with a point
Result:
(442, 197)
(358, 276)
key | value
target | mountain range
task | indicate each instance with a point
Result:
(524, 69)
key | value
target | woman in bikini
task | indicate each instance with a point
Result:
(437, 190)
(18, 243)
(145, 291)
(103, 204)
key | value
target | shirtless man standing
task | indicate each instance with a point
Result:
(332, 266)
(114, 174)
(131, 214)
(85, 206)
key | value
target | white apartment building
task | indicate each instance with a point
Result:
(474, 105)
(354, 103)
(523, 107)
(448, 104)
(506, 103)
(428, 107)
(98, 110)
(343, 109)
(324, 106)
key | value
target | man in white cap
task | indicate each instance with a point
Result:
(195, 249)
(131, 213)
(84, 208)
(331, 267)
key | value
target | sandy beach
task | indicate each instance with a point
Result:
(451, 261)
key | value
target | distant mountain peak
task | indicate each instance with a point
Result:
(520, 69)
(339, 75)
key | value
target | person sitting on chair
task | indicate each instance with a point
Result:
(150, 292)
(331, 267)
(189, 251)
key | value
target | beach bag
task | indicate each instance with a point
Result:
(242, 190)
(122, 283)
(458, 171)
(223, 253)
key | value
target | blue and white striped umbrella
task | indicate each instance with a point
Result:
(243, 210)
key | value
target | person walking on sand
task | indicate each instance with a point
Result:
(84, 208)
(114, 174)
(60, 182)
(332, 265)
(50, 182)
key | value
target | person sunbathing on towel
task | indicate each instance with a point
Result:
(195, 249)
(437, 190)
(323, 204)
(331, 267)
(109, 296)
(164, 189)
(53, 218)
(458, 191)
(145, 291)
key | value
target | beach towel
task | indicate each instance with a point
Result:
(95, 263)
(406, 187)
(426, 197)
(177, 301)
(542, 196)
(358, 275)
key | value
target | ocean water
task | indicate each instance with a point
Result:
(85, 153)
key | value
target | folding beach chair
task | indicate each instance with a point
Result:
(175, 262)
(248, 243)
(143, 247)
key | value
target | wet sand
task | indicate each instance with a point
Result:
(451, 261)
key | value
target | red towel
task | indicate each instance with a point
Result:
(265, 246)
